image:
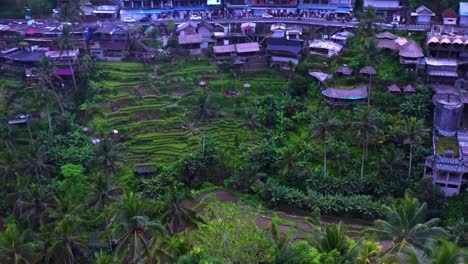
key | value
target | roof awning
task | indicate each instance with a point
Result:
(344, 9)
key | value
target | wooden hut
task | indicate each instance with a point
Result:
(344, 70)
(344, 97)
(394, 89)
(409, 89)
(368, 70)
(410, 53)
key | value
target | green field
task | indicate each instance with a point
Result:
(150, 117)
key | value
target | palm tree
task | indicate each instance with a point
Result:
(16, 247)
(104, 192)
(392, 162)
(65, 45)
(108, 154)
(413, 130)
(67, 242)
(9, 166)
(323, 126)
(175, 215)
(7, 135)
(443, 252)
(405, 225)
(36, 162)
(368, 20)
(366, 124)
(133, 245)
(70, 11)
(33, 206)
(368, 252)
(371, 52)
(334, 238)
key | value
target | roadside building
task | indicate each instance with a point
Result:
(324, 48)
(107, 11)
(463, 14)
(65, 61)
(385, 8)
(342, 37)
(450, 17)
(323, 8)
(282, 52)
(422, 15)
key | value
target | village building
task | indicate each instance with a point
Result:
(344, 97)
(342, 37)
(448, 165)
(450, 17)
(344, 71)
(385, 8)
(110, 43)
(387, 40)
(422, 15)
(65, 61)
(283, 52)
(394, 89)
(324, 48)
(410, 54)
(463, 14)
(341, 8)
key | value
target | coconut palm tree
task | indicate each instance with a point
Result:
(67, 242)
(368, 252)
(9, 166)
(365, 126)
(175, 215)
(323, 127)
(104, 192)
(392, 162)
(405, 225)
(136, 229)
(371, 52)
(36, 162)
(16, 247)
(442, 252)
(413, 131)
(66, 44)
(33, 206)
(108, 154)
(7, 135)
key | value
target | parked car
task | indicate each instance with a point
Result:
(129, 20)
(266, 15)
(195, 17)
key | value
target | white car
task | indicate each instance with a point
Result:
(129, 20)
(266, 15)
(195, 17)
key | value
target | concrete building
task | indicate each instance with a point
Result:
(463, 14)
(339, 7)
(448, 166)
(422, 15)
(385, 8)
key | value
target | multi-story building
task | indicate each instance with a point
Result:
(318, 7)
(386, 8)
(446, 67)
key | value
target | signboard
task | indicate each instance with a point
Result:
(214, 2)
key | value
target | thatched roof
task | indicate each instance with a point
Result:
(247, 47)
(224, 49)
(394, 88)
(409, 89)
(386, 35)
(368, 70)
(387, 44)
(344, 70)
(350, 94)
(411, 50)
(190, 39)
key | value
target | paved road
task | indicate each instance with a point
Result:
(291, 20)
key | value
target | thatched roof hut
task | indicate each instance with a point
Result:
(411, 50)
(386, 35)
(345, 70)
(394, 88)
(368, 70)
(409, 89)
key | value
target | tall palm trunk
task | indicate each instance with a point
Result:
(362, 162)
(73, 73)
(325, 157)
(30, 132)
(49, 119)
(410, 159)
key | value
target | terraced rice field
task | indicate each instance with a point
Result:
(158, 122)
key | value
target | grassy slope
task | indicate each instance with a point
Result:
(150, 121)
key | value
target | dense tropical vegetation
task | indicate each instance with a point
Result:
(225, 170)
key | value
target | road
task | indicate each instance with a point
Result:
(290, 20)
